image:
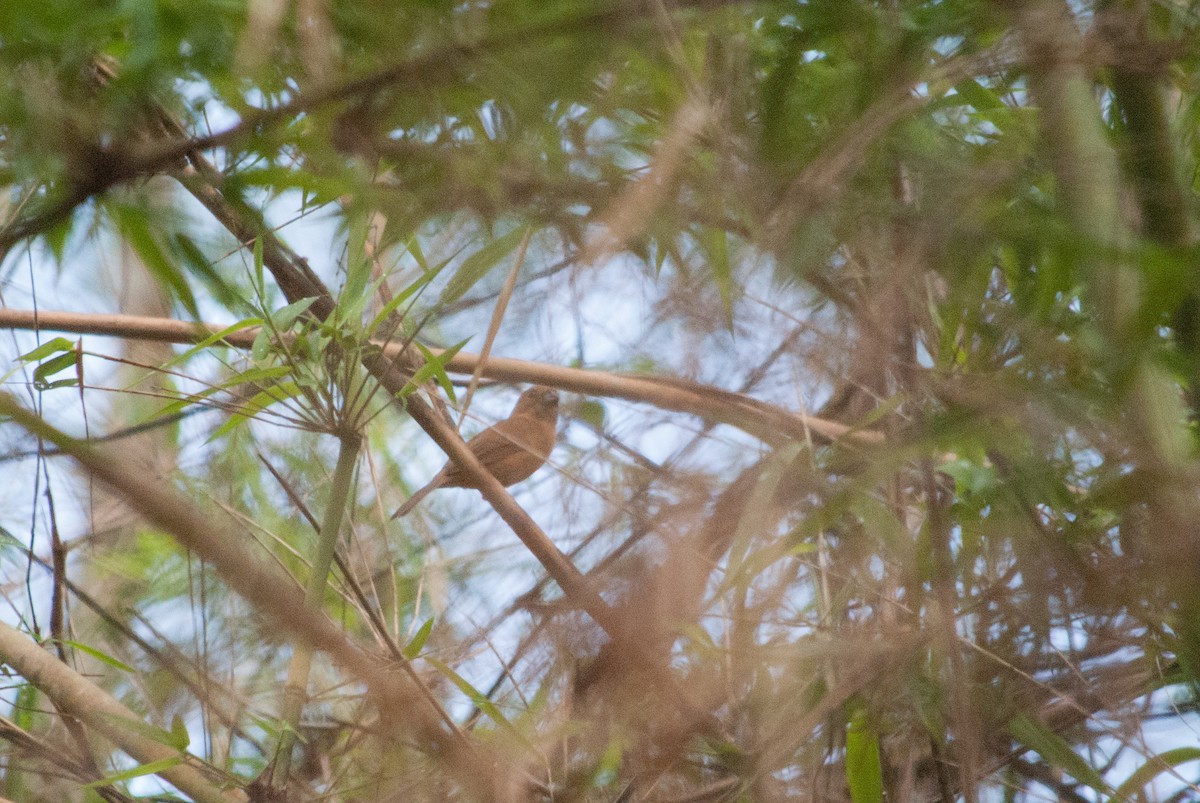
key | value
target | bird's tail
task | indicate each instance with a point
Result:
(415, 500)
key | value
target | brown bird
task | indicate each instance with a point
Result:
(511, 449)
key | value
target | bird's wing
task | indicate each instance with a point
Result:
(496, 443)
(491, 446)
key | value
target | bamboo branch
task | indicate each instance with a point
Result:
(296, 690)
(757, 418)
(77, 697)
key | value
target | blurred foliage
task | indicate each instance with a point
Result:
(964, 230)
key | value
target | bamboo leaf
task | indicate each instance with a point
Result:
(49, 368)
(1056, 751)
(214, 338)
(283, 318)
(414, 647)
(103, 658)
(864, 772)
(479, 264)
(435, 366)
(137, 772)
(54, 346)
(1166, 761)
(261, 401)
(136, 229)
(481, 701)
(404, 295)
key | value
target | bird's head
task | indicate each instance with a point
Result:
(539, 401)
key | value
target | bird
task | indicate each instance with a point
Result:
(512, 449)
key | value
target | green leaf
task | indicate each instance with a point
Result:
(414, 647)
(49, 368)
(608, 767)
(480, 700)
(260, 283)
(975, 94)
(1136, 783)
(61, 383)
(215, 337)
(261, 401)
(13, 548)
(413, 246)
(1056, 751)
(256, 375)
(404, 295)
(864, 772)
(199, 264)
(261, 348)
(283, 318)
(716, 246)
(276, 177)
(267, 373)
(141, 728)
(592, 413)
(743, 564)
(969, 476)
(660, 258)
(24, 710)
(435, 366)
(103, 658)
(358, 265)
(476, 266)
(179, 733)
(136, 230)
(137, 772)
(54, 346)
(56, 238)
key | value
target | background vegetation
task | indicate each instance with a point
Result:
(877, 327)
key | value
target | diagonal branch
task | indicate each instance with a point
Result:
(77, 697)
